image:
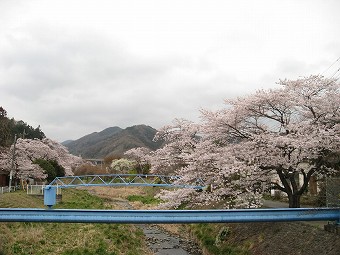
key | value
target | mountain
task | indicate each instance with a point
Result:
(113, 141)
(66, 142)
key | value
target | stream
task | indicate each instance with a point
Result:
(162, 242)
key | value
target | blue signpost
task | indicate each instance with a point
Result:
(50, 196)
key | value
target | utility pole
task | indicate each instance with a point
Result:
(23, 134)
(12, 166)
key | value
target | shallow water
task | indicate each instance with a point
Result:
(160, 241)
(163, 243)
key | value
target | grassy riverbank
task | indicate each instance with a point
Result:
(266, 238)
(105, 239)
(67, 238)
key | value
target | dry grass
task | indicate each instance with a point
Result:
(116, 197)
(66, 238)
(116, 192)
(175, 229)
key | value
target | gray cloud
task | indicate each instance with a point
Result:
(74, 79)
(86, 83)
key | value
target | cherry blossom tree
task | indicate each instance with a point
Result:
(271, 136)
(28, 150)
(188, 154)
(180, 140)
(5, 160)
(122, 165)
(68, 161)
(141, 156)
(284, 132)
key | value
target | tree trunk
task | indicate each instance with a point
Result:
(290, 185)
(294, 201)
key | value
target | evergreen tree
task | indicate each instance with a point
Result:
(51, 168)
(5, 129)
(10, 127)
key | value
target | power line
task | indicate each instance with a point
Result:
(331, 66)
(335, 73)
(338, 75)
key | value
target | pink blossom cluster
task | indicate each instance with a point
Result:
(238, 151)
(28, 150)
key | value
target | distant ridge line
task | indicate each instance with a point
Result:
(113, 141)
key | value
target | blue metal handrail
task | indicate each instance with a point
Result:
(125, 180)
(170, 216)
(116, 180)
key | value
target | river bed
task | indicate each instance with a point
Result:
(161, 241)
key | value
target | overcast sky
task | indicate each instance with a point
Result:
(77, 66)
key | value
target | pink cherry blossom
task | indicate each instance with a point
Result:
(258, 141)
(27, 150)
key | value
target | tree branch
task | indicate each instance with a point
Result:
(278, 187)
(284, 182)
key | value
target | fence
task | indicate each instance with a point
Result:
(6, 189)
(333, 192)
(39, 189)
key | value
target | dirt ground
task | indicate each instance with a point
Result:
(297, 238)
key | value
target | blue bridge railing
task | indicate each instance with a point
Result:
(170, 216)
(116, 180)
(125, 180)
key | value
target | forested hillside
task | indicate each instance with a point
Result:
(11, 127)
(114, 141)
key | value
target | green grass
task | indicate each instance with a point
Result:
(80, 199)
(20, 199)
(66, 238)
(214, 238)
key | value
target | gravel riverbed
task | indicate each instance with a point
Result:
(159, 240)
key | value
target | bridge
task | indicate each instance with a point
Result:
(155, 216)
(151, 180)
(146, 180)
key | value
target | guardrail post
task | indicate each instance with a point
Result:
(50, 196)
